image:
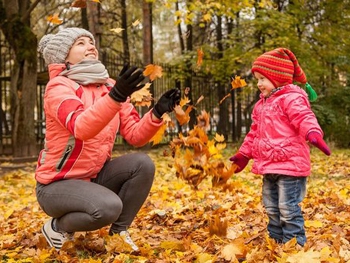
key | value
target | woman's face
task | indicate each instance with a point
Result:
(83, 48)
(264, 84)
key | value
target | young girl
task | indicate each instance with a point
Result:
(282, 124)
(78, 184)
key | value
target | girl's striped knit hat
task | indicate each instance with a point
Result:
(281, 67)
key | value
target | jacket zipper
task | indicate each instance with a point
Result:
(260, 128)
(65, 156)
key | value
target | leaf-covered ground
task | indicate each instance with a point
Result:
(179, 224)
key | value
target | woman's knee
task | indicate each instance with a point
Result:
(146, 164)
(109, 210)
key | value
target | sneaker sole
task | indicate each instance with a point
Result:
(48, 239)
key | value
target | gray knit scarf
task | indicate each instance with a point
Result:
(87, 71)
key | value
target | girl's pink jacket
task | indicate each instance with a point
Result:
(277, 137)
(81, 127)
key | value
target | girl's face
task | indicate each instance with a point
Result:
(264, 84)
(83, 48)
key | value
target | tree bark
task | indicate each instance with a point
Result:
(126, 50)
(147, 33)
(15, 25)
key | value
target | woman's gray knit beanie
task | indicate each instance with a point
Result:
(55, 47)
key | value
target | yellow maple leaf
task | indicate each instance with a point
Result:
(309, 256)
(142, 97)
(313, 223)
(153, 71)
(219, 138)
(157, 138)
(117, 30)
(54, 19)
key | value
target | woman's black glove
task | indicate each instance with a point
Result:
(167, 102)
(127, 82)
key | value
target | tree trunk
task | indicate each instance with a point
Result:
(147, 33)
(15, 25)
(147, 39)
(126, 51)
(221, 90)
(93, 17)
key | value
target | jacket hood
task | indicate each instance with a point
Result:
(55, 69)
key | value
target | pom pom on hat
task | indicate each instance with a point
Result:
(281, 67)
(55, 47)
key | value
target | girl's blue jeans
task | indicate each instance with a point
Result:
(281, 197)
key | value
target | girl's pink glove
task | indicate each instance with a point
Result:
(316, 139)
(240, 160)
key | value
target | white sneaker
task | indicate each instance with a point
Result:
(127, 239)
(54, 238)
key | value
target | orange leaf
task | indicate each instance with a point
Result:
(200, 55)
(157, 138)
(142, 97)
(182, 117)
(54, 19)
(237, 82)
(224, 98)
(153, 71)
(218, 227)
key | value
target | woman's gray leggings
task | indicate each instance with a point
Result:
(114, 197)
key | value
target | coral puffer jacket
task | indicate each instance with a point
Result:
(277, 137)
(81, 127)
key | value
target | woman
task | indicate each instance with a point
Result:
(78, 184)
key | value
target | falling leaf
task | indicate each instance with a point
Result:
(182, 116)
(54, 19)
(142, 97)
(200, 55)
(117, 30)
(219, 138)
(153, 71)
(203, 120)
(199, 99)
(237, 82)
(136, 23)
(184, 101)
(157, 138)
(224, 98)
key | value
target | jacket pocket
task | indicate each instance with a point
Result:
(64, 157)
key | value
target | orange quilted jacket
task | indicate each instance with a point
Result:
(81, 126)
